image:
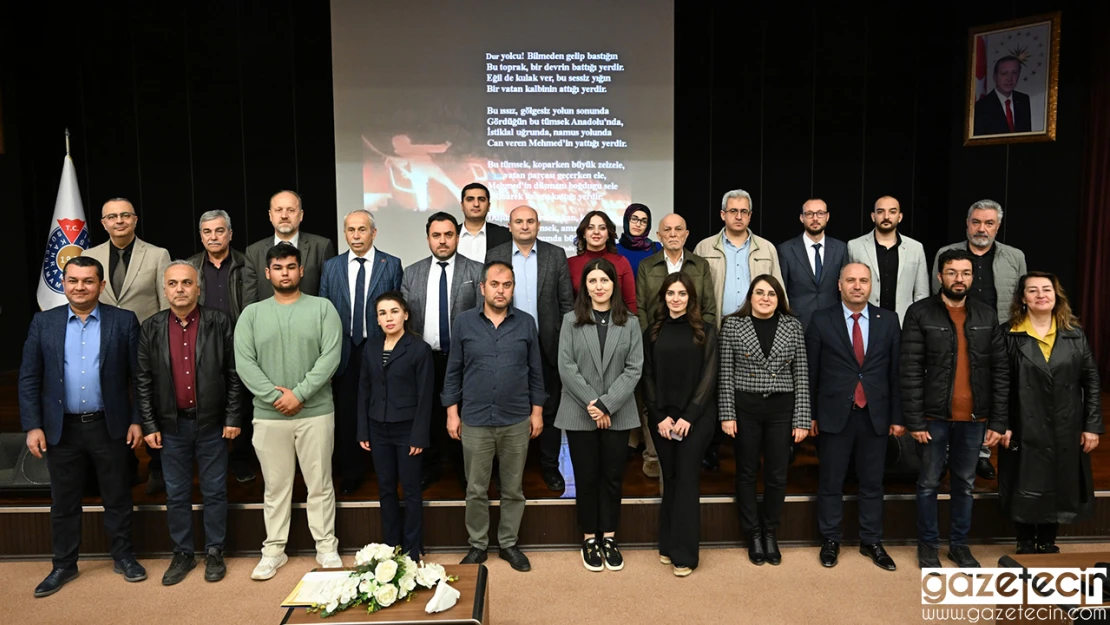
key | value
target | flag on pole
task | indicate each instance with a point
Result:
(69, 237)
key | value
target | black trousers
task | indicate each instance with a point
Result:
(67, 462)
(349, 458)
(551, 439)
(242, 449)
(680, 513)
(860, 440)
(1043, 533)
(598, 459)
(766, 432)
(389, 443)
(444, 448)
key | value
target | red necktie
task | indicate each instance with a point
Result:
(857, 347)
(1009, 116)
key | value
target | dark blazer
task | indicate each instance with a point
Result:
(217, 385)
(834, 371)
(335, 285)
(990, 116)
(743, 367)
(496, 235)
(235, 280)
(465, 289)
(805, 294)
(554, 294)
(401, 390)
(653, 271)
(315, 250)
(41, 374)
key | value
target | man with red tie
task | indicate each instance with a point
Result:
(1003, 110)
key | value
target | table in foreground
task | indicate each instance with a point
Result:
(472, 607)
(1059, 616)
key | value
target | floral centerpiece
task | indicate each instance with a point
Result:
(382, 576)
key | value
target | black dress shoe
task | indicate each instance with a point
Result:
(771, 546)
(350, 485)
(830, 551)
(1047, 548)
(879, 556)
(179, 567)
(475, 556)
(1026, 547)
(927, 557)
(516, 558)
(961, 555)
(553, 479)
(756, 552)
(711, 461)
(985, 469)
(214, 567)
(243, 472)
(130, 569)
(54, 582)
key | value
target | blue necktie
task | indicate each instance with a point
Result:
(817, 262)
(444, 318)
(358, 319)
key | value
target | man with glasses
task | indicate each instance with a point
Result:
(134, 283)
(286, 215)
(898, 267)
(811, 263)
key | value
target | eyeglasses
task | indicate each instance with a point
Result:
(115, 216)
(812, 214)
(952, 273)
(732, 212)
(639, 221)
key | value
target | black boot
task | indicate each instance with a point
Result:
(774, 556)
(1043, 547)
(1025, 547)
(756, 552)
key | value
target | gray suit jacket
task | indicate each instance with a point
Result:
(315, 250)
(913, 270)
(555, 297)
(1009, 267)
(588, 375)
(805, 294)
(465, 288)
(142, 291)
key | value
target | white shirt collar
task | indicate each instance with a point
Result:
(450, 261)
(369, 256)
(810, 242)
(466, 233)
(294, 241)
(1002, 98)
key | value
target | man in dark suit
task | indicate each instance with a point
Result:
(1003, 110)
(811, 263)
(543, 291)
(478, 235)
(436, 295)
(76, 382)
(853, 350)
(352, 281)
(285, 215)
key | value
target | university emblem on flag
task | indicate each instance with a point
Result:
(67, 240)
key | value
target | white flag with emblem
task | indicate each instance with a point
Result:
(69, 237)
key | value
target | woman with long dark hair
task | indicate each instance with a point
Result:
(763, 398)
(394, 418)
(597, 238)
(680, 377)
(1044, 468)
(635, 243)
(600, 359)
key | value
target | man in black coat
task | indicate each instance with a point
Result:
(1004, 110)
(477, 236)
(852, 349)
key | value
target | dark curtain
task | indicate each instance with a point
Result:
(1094, 241)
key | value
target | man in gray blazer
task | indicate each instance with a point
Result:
(437, 289)
(900, 273)
(811, 263)
(542, 290)
(285, 215)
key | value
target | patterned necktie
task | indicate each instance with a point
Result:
(857, 347)
(358, 317)
(119, 274)
(1009, 116)
(817, 262)
(444, 317)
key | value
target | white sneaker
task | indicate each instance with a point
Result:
(268, 566)
(329, 560)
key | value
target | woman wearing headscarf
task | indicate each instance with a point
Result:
(635, 243)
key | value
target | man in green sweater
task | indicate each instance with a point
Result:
(286, 350)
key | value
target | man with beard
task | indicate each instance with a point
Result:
(477, 236)
(285, 215)
(955, 386)
(286, 349)
(811, 263)
(897, 262)
(998, 267)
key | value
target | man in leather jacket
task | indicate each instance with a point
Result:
(955, 385)
(189, 411)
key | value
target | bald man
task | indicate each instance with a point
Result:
(543, 290)
(900, 273)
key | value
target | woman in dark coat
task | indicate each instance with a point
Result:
(1044, 471)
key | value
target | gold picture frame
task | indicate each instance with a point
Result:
(1013, 56)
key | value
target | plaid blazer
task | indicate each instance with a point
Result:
(744, 368)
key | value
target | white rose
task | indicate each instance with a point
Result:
(408, 582)
(383, 552)
(364, 555)
(364, 587)
(386, 571)
(386, 595)
(332, 606)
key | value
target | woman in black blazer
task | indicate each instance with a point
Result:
(394, 416)
(679, 381)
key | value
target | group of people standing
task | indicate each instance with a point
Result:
(497, 338)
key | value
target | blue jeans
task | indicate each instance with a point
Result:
(961, 440)
(209, 448)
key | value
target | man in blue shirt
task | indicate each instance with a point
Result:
(494, 371)
(76, 382)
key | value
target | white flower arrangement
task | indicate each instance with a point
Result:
(382, 576)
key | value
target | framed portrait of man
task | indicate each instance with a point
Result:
(1012, 69)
